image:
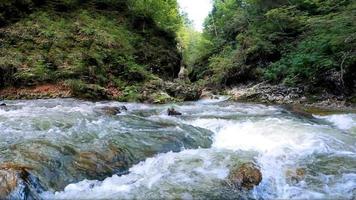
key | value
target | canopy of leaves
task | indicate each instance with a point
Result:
(291, 42)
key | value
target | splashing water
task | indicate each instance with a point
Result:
(342, 121)
(80, 153)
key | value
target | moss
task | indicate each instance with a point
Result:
(89, 48)
(86, 91)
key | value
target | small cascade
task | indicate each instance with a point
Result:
(78, 151)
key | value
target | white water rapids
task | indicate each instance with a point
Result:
(277, 140)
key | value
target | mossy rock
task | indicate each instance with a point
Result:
(183, 91)
(161, 98)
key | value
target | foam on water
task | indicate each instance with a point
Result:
(268, 136)
(168, 176)
(280, 144)
(342, 121)
(216, 99)
(276, 140)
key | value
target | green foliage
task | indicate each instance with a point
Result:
(12, 10)
(221, 64)
(164, 12)
(135, 73)
(290, 42)
(86, 91)
(92, 45)
(162, 98)
(192, 44)
(329, 45)
(130, 93)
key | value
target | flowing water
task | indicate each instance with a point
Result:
(78, 152)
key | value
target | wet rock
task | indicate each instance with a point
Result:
(8, 183)
(205, 94)
(159, 91)
(2, 104)
(182, 91)
(173, 112)
(183, 74)
(17, 183)
(267, 93)
(101, 164)
(295, 175)
(113, 110)
(303, 99)
(332, 81)
(124, 108)
(247, 176)
(299, 111)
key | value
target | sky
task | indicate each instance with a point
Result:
(197, 11)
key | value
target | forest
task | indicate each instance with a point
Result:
(295, 42)
(112, 48)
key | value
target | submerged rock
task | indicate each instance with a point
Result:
(17, 183)
(299, 111)
(295, 175)
(103, 163)
(173, 112)
(246, 176)
(113, 110)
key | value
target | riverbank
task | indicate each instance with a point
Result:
(160, 92)
(156, 91)
(295, 97)
(44, 91)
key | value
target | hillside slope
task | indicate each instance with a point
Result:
(96, 49)
(309, 44)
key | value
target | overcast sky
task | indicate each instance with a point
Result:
(197, 11)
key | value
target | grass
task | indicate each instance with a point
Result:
(87, 48)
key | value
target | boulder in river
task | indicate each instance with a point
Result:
(94, 164)
(17, 183)
(113, 110)
(124, 108)
(206, 94)
(173, 112)
(246, 176)
(2, 104)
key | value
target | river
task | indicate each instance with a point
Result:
(76, 151)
